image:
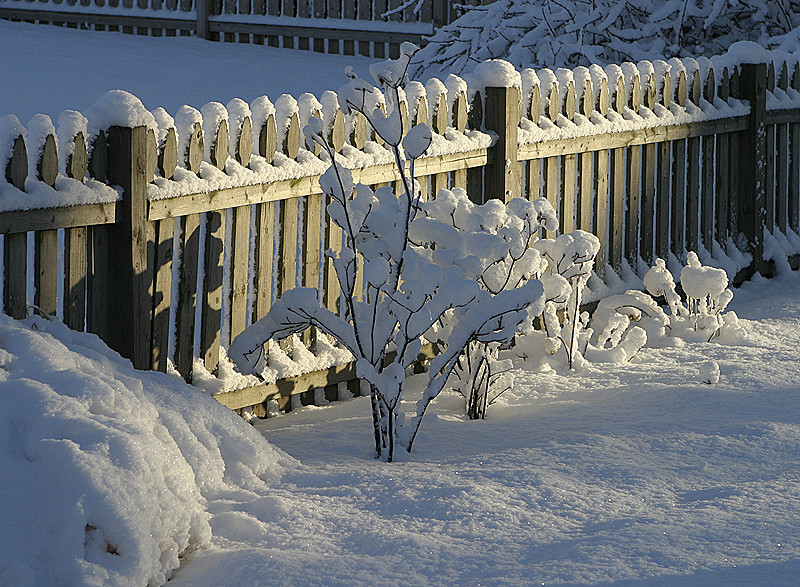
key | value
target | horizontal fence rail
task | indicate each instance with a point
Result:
(168, 236)
(365, 27)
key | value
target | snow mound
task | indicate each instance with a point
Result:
(107, 470)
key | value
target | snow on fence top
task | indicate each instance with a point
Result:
(240, 144)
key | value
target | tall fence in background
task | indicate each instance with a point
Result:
(365, 27)
(215, 215)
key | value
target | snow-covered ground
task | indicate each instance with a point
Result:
(47, 69)
(624, 475)
(638, 474)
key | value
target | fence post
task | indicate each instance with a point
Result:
(127, 270)
(201, 7)
(502, 178)
(752, 175)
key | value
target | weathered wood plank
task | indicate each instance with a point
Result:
(187, 295)
(623, 139)
(632, 202)
(47, 165)
(239, 269)
(288, 246)
(264, 256)
(53, 218)
(98, 157)
(722, 169)
(312, 239)
(130, 273)
(781, 159)
(46, 271)
(268, 139)
(15, 249)
(794, 158)
(502, 115)
(76, 277)
(294, 188)
(752, 164)
(77, 163)
(17, 167)
(168, 155)
(211, 313)
(333, 243)
(663, 200)
(286, 388)
(162, 293)
(678, 215)
(567, 200)
(694, 157)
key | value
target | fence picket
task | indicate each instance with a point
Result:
(782, 162)
(243, 141)
(98, 157)
(440, 119)
(268, 139)
(618, 184)
(421, 117)
(264, 256)
(585, 160)
(239, 269)
(15, 250)
(633, 184)
(708, 147)
(769, 196)
(45, 271)
(567, 207)
(47, 164)
(77, 163)
(187, 295)
(648, 192)
(551, 164)
(694, 157)
(793, 205)
(601, 207)
(17, 166)
(678, 216)
(288, 246)
(162, 293)
(76, 277)
(459, 118)
(663, 185)
(211, 316)
(722, 168)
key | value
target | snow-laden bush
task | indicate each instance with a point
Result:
(492, 243)
(569, 33)
(406, 292)
(561, 334)
(703, 316)
(622, 324)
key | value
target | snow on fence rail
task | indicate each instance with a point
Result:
(328, 26)
(215, 212)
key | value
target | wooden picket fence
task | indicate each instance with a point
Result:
(348, 27)
(206, 232)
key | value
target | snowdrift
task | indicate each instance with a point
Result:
(106, 471)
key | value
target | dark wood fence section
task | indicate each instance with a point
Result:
(365, 27)
(715, 159)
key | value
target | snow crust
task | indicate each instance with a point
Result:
(70, 123)
(108, 472)
(119, 108)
